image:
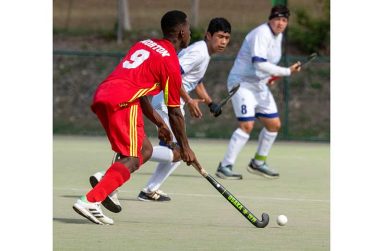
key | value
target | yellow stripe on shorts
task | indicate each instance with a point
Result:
(133, 131)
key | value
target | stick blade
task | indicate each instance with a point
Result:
(313, 56)
(310, 58)
(264, 222)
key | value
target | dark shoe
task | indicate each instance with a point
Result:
(263, 170)
(111, 202)
(153, 196)
(225, 172)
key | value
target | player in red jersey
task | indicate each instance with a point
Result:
(149, 67)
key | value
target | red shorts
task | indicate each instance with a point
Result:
(124, 127)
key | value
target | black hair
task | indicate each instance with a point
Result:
(219, 24)
(171, 20)
(279, 11)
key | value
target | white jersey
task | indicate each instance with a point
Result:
(260, 45)
(194, 61)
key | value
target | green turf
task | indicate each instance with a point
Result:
(198, 217)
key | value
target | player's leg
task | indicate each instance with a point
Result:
(268, 115)
(244, 103)
(116, 175)
(146, 150)
(111, 202)
(162, 152)
(152, 192)
(128, 144)
(168, 160)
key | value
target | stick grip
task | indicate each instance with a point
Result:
(199, 168)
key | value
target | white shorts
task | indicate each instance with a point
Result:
(250, 102)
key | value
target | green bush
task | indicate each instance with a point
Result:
(196, 34)
(311, 34)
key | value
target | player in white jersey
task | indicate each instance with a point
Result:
(194, 61)
(253, 69)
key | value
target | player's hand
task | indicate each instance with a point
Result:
(295, 67)
(215, 109)
(194, 110)
(187, 155)
(164, 133)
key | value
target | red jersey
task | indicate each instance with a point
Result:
(149, 66)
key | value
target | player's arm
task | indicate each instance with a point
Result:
(163, 130)
(260, 63)
(191, 103)
(189, 61)
(177, 123)
(202, 94)
(172, 83)
(276, 70)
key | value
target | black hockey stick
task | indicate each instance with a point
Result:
(309, 59)
(234, 201)
(231, 94)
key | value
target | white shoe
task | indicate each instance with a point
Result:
(111, 202)
(91, 211)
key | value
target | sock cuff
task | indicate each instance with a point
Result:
(260, 157)
(270, 133)
(162, 154)
(122, 169)
(85, 199)
(242, 133)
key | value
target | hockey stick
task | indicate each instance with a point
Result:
(305, 63)
(231, 93)
(234, 201)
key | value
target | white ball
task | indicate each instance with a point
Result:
(281, 220)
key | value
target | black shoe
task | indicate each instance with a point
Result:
(225, 172)
(111, 202)
(263, 170)
(153, 196)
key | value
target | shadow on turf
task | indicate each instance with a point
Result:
(72, 221)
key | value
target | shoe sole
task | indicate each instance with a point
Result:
(222, 176)
(108, 202)
(85, 214)
(149, 200)
(250, 170)
(142, 199)
(152, 200)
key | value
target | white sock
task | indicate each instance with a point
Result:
(161, 173)
(265, 142)
(161, 154)
(237, 142)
